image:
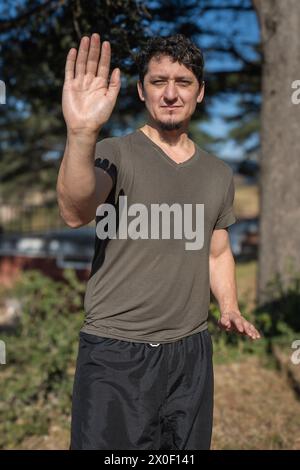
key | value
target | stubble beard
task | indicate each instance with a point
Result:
(170, 126)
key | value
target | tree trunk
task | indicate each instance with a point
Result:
(279, 252)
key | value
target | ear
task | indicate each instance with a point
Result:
(201, 93)
(140, 90)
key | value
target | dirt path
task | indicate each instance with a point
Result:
(254, 409)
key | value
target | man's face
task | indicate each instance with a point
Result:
(171, 92)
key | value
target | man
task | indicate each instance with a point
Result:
(144, 373)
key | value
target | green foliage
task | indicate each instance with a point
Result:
(36, 383)
(280, 316)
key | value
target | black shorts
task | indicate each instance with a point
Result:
(143, 396)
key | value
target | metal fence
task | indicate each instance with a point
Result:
(20, 218)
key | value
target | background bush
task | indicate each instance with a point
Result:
(36, 383)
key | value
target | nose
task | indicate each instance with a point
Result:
(170, 92)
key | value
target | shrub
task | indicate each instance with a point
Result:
(280, 316)
(41, 352)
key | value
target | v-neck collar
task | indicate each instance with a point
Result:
(188, 162)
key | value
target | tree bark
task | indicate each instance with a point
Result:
(279, 252)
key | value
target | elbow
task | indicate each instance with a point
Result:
(72, 222)
(69, 217)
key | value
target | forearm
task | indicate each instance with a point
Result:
(76, 182)
(223, 281)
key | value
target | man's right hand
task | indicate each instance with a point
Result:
(88, 99)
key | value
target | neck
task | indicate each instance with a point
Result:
(172, 138)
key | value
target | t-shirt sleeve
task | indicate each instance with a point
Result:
(226, 216)
(107, 157)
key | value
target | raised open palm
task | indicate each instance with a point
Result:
(88, 97)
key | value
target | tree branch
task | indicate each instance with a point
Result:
(6, 25)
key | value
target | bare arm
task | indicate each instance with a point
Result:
(88, 101)
(81, 187)
(223, 285)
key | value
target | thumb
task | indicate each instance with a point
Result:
(114, 84)
(225, 320)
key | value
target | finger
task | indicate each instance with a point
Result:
(82, 56)
(256, 334)
(70, 64)
(225, 321)
(250, 331)
(104, 63)
(93, 56)
(114, 83)
(238, 325)
(253, 331)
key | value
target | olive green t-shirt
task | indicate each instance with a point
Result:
(149, 280)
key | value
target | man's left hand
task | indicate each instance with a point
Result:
(234, 321)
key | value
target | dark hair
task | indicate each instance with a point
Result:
(178, 46)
